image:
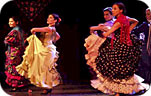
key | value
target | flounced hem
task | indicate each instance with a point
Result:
(92, 44)
(16, 79)
(39, 63)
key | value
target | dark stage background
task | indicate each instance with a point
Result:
(77, 16)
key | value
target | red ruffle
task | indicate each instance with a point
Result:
(14, 80)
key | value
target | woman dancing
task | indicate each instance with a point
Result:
(39, 60)
(115, 60)
(15, 42)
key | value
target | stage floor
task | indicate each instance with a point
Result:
(65, 90)
(61, 90)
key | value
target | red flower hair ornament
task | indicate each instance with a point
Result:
(59, 20)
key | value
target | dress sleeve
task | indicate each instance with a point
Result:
(12, 38)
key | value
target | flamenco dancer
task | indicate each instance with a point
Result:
(115, 60)
(39, 60)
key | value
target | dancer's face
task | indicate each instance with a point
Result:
(107, 16)
(116, 11)
(51, 20)
(12, 23)
(148, 14)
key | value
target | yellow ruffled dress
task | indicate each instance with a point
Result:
(39, 62)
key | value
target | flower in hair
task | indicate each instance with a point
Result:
(59, 20)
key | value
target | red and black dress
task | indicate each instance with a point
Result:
(115, 60)
(15, 42)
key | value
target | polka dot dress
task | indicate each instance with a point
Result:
(121, 61)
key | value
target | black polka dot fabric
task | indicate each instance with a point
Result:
(121, 61)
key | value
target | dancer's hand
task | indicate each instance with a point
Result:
(33, 31)
(92, 31)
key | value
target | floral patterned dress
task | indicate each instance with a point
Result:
(14, 41)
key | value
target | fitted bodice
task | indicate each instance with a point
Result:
(48, 37)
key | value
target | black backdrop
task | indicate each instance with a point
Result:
(77, 16)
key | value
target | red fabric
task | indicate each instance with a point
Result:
(113, 38)
(13, 38)
(13, 80)
(125, 33)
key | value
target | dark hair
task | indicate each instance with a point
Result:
(56, 17)
(121, 7)
(108, 9)
(16, 19)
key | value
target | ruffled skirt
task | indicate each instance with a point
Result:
(13, 59)
(39, 64)
(104, 83)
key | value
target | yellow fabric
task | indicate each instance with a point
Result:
(39, 63)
